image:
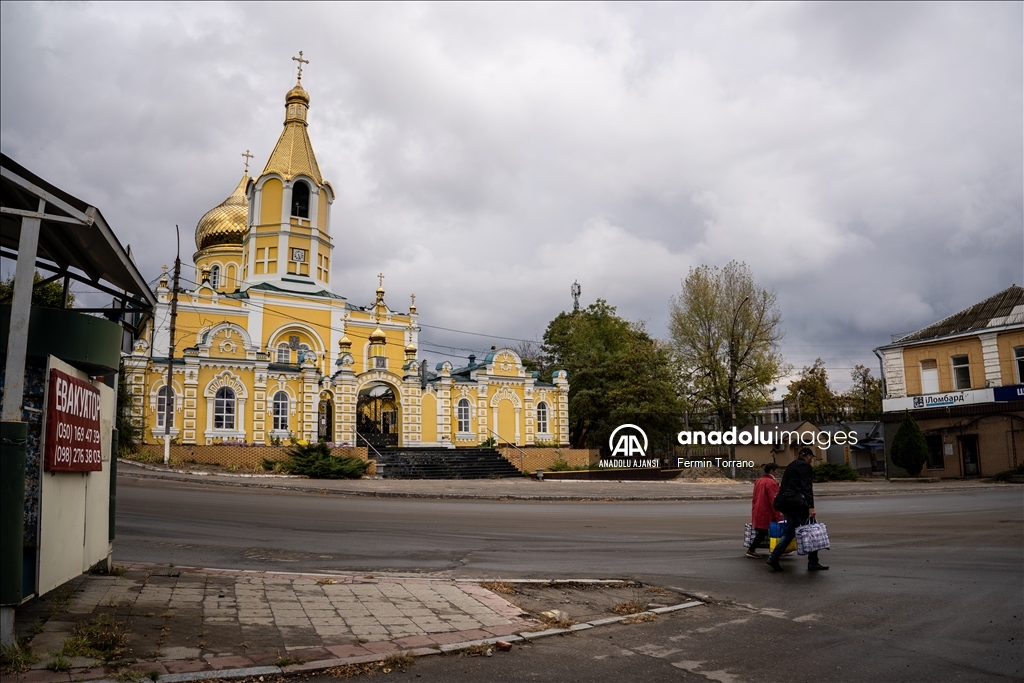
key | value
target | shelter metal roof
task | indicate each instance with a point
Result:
(1000, 310)
(73, 236)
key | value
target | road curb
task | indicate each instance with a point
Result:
(602, 498)
(320, 665)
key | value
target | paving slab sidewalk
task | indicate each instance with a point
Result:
(201, 621)
(530, 489)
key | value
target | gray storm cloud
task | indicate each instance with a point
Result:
(864, 159)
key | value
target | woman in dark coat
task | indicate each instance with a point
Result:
(762, 510)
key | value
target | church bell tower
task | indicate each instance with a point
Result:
(288, 242)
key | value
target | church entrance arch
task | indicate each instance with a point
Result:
(325, 418)
(377, 415)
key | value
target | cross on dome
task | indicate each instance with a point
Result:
(247, 156)
(301, 61)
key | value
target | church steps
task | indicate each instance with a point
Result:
(444, 463)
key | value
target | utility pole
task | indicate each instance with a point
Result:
(170, 398)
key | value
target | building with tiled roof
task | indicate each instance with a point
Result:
(962, 378)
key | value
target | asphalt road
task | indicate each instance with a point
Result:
(923, 587)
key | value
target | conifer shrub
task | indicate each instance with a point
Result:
(315, 461)
(909, 448)
(834, 471)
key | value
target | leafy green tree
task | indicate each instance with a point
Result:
(50, 295)
(818, 403)
(864, 398)
(909, 448)
(725, 333)
(617, 374)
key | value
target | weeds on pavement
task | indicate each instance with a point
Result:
(14, 659)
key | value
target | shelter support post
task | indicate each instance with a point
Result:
(14, 432)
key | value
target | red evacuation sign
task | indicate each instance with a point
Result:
(72, 425)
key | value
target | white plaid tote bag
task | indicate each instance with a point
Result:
(748, 537)
(811, 537)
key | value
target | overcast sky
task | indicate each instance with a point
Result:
(864, 159)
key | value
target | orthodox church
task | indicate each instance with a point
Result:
(264, 350)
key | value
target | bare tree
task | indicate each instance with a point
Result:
(531, 354)
(725, 333)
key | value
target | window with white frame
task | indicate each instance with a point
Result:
(284, 353)
(961, 373)
(462, 413)
(215, 277)
(542, 417)
(301, 357)
(224, 409)
(161, 407)
(1018, 357)
(281, 403)
(929, 376)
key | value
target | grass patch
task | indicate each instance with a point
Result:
(60, 600)
(640, 618)
(631, 607)
(287, 661)
(59, 663)
(14, 659)
(503, 587)
(102, 638)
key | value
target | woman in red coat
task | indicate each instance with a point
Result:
(762, 508)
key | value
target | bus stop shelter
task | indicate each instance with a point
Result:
(46, 229)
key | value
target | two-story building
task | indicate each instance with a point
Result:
(962, 379)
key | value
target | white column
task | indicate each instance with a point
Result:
(990, 357)
(241, 416)
(518, 415)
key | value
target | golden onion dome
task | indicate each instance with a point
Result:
(298, 93)
(378, 336)
(227, 222)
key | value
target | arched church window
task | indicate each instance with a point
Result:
(161, 407)
(301, 355)
(462, 412)
(215, 277)
(542, 418)
(224, 409)
(300, 199)
(281, 411)
(284, 352)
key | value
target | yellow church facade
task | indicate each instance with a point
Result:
(265, 351)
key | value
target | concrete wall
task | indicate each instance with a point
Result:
(533, 459)
(73, 515)
(248, 458)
